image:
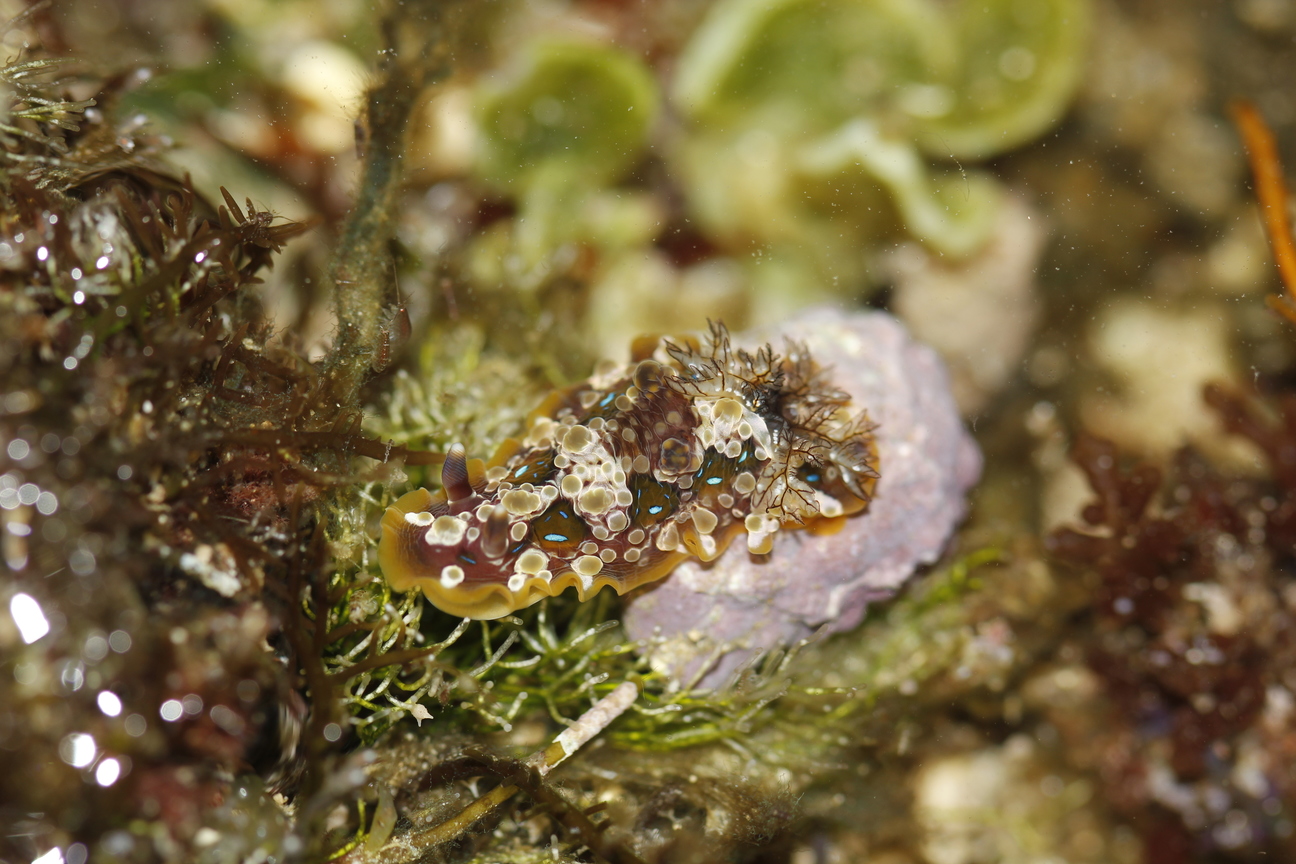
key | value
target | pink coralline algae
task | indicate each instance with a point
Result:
(730, 609)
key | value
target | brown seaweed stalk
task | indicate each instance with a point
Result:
(1271, 189)
(362, 286)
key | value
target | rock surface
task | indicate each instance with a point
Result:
(739, 605)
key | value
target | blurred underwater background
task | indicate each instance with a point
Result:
(262, 260)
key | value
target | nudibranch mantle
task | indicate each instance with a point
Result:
(621, 477)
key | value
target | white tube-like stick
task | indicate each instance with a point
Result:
(589, 724)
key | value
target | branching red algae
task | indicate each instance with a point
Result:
(1192, 636)
(1194, 626)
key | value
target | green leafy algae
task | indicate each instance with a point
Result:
(578, 108)
(831, 108)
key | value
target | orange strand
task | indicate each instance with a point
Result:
(1271, 189)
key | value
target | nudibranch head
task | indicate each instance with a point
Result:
(621, 477)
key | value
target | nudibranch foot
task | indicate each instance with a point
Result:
(621, 477)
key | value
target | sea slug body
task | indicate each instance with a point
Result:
(623, 476)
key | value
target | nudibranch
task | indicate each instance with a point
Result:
(710, 619)
(621, 477)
